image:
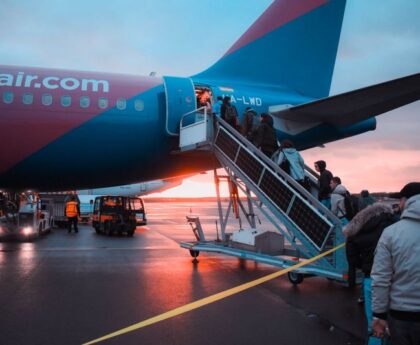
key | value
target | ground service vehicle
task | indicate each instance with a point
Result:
(29, 220)
(114, 214)
(138, 206)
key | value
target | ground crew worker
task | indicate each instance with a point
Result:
(72, 213)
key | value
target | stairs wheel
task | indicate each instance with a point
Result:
(295, 278)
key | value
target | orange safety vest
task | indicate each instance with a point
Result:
(71, 209)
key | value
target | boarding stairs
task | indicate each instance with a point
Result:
(307, 225)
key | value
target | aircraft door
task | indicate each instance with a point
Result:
(180, 99)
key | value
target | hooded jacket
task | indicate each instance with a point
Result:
(363, 233)
(324, 181)
(250, 124)
(266, 136)
(396, 268)
(297, 165)
(337, 201)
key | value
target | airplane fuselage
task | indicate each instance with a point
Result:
(64, 130)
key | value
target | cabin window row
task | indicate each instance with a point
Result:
(66, 101)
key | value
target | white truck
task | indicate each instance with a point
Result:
(31, 220)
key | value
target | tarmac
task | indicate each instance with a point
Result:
(73, 288)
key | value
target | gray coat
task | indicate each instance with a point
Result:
(337, 201)
(396, 268)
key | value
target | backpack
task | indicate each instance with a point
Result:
(349, 206)
(285, 164)
(230, 113)
(252, 125)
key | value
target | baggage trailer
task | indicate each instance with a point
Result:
(58, 205)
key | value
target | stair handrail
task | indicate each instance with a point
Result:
(303, 193)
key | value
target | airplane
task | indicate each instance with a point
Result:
(136, 189)
(67, 130)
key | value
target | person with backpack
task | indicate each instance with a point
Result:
(340, 201)
(362, 236)
(250, 124)
(324, 179)
(265, 138)
(229, 113)
(291, 161)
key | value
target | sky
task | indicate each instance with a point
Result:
(380, 40)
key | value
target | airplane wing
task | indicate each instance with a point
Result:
(351, 107)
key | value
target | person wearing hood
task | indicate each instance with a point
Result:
(362, 235)
(338, 192)
(250, 124)
(295, 163)
(396, 273)
(324, 179)
(265, 138)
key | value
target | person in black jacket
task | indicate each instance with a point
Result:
(265, 138)
(363, 233)
(229, 113)
(325, 176)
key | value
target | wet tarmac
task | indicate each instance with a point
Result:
(72, 288)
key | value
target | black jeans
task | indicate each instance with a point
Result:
(404, 332)
(70, 221)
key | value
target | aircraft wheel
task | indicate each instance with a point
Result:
(295, 278)
(194, 253)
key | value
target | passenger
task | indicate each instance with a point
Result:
(204, 100)
(265, 138)
(250, 124)
(365, 200)
(72, 213)
(229, 113)
(291, 161)
(363, 233)
(338, 193)
(325, 176)
(396, 274)
(217, 106)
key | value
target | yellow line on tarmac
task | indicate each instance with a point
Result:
(213, 298)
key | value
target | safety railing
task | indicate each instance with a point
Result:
(302, 214)
(195, 129)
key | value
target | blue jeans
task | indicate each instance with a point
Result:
(367, 288)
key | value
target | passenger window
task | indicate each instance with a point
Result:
(46, 99)
(121, 103)
(66, 100)
(8, 97)
(27, 98)
(139, 105)
(103, 102)
(84, 101)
